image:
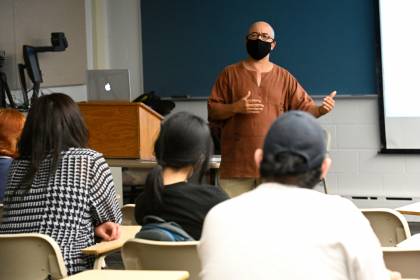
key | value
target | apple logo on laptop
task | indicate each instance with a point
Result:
(107, 87)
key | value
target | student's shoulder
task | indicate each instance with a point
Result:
(224, 211)
(340, 201)
(343, 207)
(209, 187)
(206, 189)
(84, 153)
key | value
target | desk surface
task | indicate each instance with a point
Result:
(127, 232)
(130, 274)
(139, 163)
(410, 209)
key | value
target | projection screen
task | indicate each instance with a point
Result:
(399, 22)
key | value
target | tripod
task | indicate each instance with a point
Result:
(5, 92)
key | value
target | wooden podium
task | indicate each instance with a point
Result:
(121, 129)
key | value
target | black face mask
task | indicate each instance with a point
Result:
(258, 49)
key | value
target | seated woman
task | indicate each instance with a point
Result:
(183, 149)
(11, 124)
(59, 187)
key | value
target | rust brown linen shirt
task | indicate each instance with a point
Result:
(242, 134)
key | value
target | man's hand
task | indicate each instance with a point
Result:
(248, 106)
(327, 104)
(108, 231)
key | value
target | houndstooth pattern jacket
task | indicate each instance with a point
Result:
(66, 205)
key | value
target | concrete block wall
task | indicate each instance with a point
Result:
(358, 171)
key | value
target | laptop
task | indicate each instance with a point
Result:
(111, 84)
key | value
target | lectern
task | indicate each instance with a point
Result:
(121, 129)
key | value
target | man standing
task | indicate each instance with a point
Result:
(246, 98)
(285, 230)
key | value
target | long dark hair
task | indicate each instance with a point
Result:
(54, 124)
(184, 140)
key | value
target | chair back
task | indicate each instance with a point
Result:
(389, 225)
(129, 218)
(327, 139)
(1, 212)
(30, 256)
(161, 255)
(404, 260)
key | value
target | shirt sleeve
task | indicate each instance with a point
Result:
(140, 209)
(219, 95)
(220, 89)
(213, 259)
(218, 195)
(299, 99)
(104, 203)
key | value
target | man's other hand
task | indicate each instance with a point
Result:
(248, 105)
(328, 103)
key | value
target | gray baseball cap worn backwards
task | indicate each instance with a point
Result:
(298, 133)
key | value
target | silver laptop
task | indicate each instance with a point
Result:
(111, 84)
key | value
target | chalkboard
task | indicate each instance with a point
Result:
(325, 44)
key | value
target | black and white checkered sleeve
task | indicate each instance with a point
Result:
(105, 207)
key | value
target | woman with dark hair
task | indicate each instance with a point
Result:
(183, 150)
(59, 187)
(11, 124)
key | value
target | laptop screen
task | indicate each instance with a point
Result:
(111, 84)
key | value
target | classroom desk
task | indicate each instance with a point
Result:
(130, 275)
(116, 166)
(105, 247)
(410, 209)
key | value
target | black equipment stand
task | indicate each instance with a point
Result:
(5, 92)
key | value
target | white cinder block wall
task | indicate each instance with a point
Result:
(358, 171)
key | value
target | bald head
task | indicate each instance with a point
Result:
(261, 27)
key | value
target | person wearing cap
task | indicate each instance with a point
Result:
(246, 98)
(284, 229)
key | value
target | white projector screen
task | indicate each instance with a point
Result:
(400, 52)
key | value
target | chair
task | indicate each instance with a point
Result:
(30, 256)
(1, 212)
(389, 225)
(128, 215)
(404, 260)
(327, 138)
(161, 255)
